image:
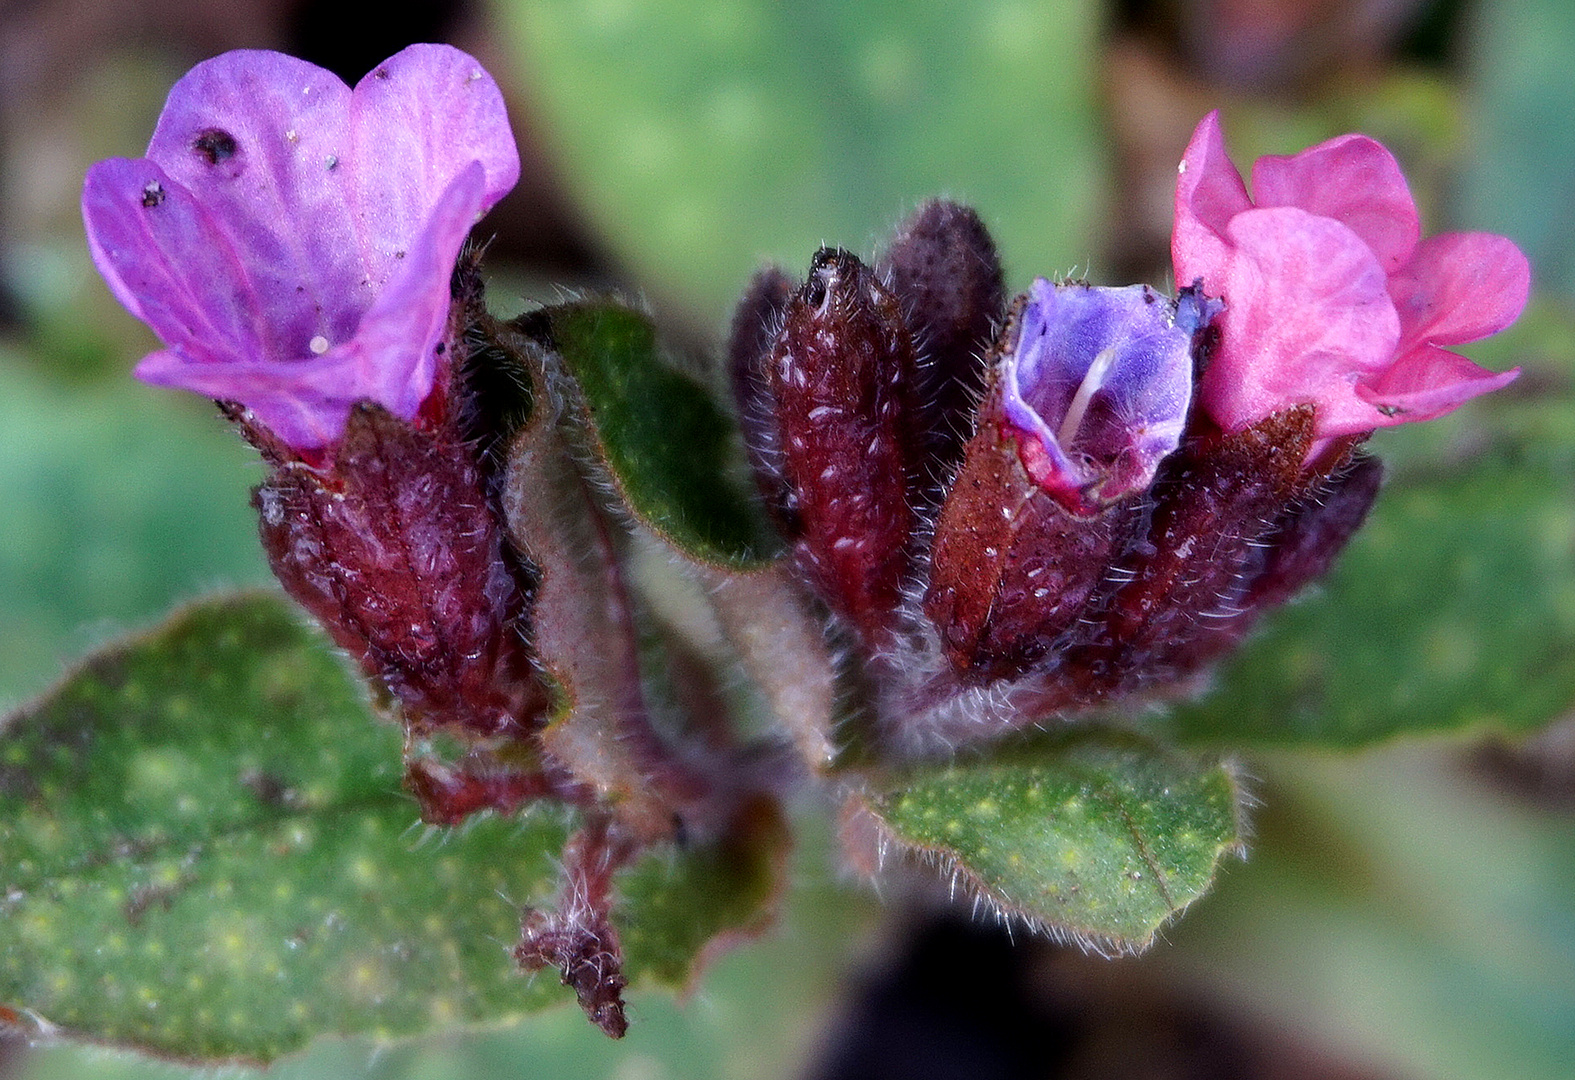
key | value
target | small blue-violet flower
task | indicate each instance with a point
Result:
(291, 240)
(1097, 387)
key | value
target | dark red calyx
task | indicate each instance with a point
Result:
(841, 376)
(944, 270)
(395, 550)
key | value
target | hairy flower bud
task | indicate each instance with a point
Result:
(1216, 503)
(841, 376)
(756, 323)
(396, 551)
(943, 268)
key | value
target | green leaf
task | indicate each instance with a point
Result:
(205, 852)
(1101, 840)
(671, 451)
(1453, 608)
(673, 912)
(705, 140)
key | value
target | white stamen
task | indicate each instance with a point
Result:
(318, 345)
(1091, 385)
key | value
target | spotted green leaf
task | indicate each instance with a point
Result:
(205, 852)
(672, 452)
(1101, 840)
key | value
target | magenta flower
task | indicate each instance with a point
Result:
(1097, 386)
(291, 241)
(1331, 298)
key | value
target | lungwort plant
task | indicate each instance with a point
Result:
(966, 551)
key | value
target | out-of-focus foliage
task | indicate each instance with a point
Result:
(1520, 178)
(117, 501)
(706, 140)
(1399, 909)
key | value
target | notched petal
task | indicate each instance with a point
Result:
(1426, 383)
(1209, 192)
(417, 120)
(1354, 180)
(168, 262)
(1459, 287)
(1307, 311)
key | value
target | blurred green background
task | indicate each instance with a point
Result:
(1407, 911)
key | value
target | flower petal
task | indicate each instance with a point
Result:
(1354, 180)
(402, 329)
(1209, 192)
(1097, 386)
(1460, 287)
(418, 119)
(1428, 382)
(1306, 314)
(262, 141)
(168, 262)
(273, 391)
(391, 359)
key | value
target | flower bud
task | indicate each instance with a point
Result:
(756, 322)
(1299, 549)
(840, 377)
(1214, 504)
(943, 268)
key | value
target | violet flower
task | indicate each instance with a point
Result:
(291, 241)
(1097, 386)
(1331, 298)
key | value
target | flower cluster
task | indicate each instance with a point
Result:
(1144, 476)
(1007, 510)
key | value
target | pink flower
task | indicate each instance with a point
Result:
(1331, 297)
(291, 241)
